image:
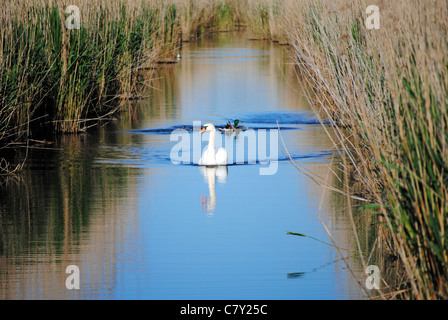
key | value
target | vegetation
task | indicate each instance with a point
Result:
(385, 91)
(57, 75)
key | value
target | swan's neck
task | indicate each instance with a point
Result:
(211, 140)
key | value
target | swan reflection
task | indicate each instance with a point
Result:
(211, 175)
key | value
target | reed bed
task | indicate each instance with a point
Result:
(55, 76)
(386, 92)
(49, 71)
(263, 20)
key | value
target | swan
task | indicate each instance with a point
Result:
(210, 157)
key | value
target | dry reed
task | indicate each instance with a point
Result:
(386, 92)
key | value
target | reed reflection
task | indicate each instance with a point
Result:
(63, 215)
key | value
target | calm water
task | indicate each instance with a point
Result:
(140, 227)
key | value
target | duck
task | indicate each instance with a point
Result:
(210, 157)
(229, 126)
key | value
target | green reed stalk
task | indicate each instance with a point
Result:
(64, 77)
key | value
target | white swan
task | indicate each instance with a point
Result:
(209, 156)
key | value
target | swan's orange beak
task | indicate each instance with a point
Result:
(202, 130)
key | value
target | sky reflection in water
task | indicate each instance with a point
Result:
(149, 229)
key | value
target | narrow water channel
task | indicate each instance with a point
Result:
(141, 226)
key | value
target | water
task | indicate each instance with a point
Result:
(112, 203)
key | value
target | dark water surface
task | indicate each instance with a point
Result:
(112, 203)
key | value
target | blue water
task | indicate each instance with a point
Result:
(140, 227)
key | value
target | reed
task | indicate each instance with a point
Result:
(263, 20)
(58, 78)
(66, 76)
(386, 93)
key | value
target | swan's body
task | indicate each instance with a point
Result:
(210, 157)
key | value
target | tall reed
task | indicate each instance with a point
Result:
(386, 92)
(59, 77)
(66, 75)
(263, 20)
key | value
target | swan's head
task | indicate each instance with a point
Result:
(207, 127)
